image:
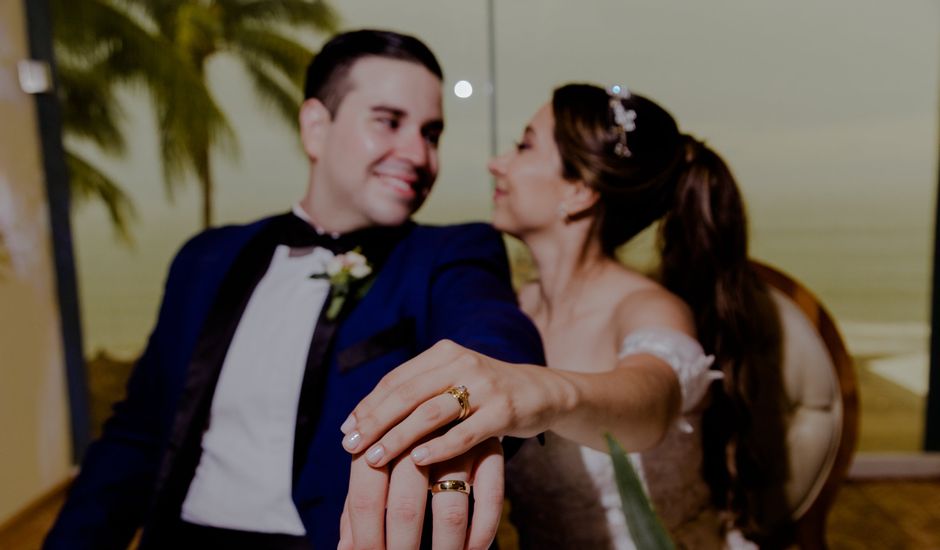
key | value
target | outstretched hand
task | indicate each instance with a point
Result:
(412, 402)
(385, 507)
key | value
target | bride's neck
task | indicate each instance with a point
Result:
(566, 269)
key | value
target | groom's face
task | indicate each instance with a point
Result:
(376, 157)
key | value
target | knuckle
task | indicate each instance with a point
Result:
(462, 436)
(452, 516)
(489, 385)
(432, 412)
(446, 345)
(408, 511)
(505, 405)
(385, 384)
(364, 422)
(464, 361)
(362, 504)
(405, 393)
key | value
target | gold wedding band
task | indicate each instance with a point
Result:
(462, 395)
(446, 485)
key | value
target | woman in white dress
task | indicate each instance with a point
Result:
(625, 352)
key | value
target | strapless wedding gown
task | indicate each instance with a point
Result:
(564, 495)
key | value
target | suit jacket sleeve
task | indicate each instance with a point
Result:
(109, 498)
(473, 302)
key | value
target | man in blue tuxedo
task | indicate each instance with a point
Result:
(270, 333)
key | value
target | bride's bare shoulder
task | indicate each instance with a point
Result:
(645, 303)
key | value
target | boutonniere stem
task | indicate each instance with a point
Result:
(350, 274)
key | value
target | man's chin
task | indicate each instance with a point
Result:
(392, 218)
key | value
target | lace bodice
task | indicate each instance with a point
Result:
(564, 495)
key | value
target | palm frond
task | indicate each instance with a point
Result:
(91, 29)
(161, 12)
(189, 127)
(87, 182)
(198, 32)
(316, 14)
(96, 33)
(89, 108)
(265, 46)
(285, 102)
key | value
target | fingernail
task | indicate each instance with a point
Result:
(375, 454)
(418, 455)
(351, 441)
(348, 424)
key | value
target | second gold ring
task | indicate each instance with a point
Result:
(462, 395)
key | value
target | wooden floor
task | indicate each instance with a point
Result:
(872, 514)
(886, 514)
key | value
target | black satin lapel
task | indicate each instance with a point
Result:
(314, 384)
(192, 417)
(399, 335)
(377, 249)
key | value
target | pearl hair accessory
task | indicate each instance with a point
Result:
(624, 119)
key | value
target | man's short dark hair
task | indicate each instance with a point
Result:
(328, 73)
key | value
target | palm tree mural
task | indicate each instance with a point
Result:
(165, 45)
(91, 38)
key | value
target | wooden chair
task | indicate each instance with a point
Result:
(820, 383)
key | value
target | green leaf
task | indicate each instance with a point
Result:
(363, 286)
(646, 530)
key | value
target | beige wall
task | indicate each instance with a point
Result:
(34, 453)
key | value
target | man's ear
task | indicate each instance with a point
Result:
(315, 122)
(580, 199)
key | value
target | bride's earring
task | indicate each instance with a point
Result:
(562, 211)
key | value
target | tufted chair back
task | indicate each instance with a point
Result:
(820, 385)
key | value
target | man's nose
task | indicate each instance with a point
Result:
(414, 148)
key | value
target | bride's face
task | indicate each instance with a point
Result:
(529, 187)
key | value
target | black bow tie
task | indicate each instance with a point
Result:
(374, 242)
(298, 233)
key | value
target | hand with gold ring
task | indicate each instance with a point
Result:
(471, 396)
(385, 506)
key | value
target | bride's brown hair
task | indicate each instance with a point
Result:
(666, 175)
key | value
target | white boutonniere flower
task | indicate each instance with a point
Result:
(349, 274)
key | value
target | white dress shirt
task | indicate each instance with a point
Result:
(244, 477)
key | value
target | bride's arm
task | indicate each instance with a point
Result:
(636, 400)
(640, 398)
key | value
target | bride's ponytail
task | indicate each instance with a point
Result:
(630, 151)
(703, 240)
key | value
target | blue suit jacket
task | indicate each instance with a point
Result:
(438, 282)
